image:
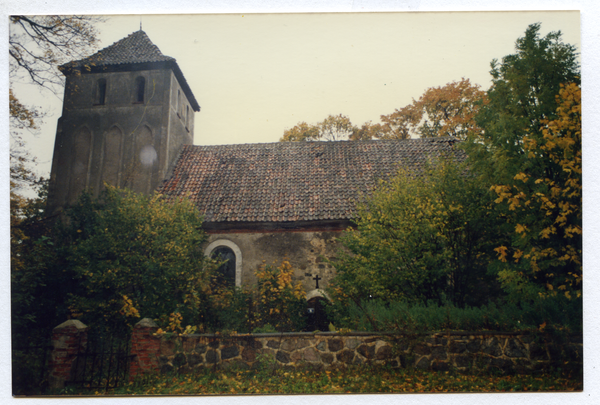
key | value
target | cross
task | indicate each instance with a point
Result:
(317, 278)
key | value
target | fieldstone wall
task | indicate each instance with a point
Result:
(506, 352)
(314, 351)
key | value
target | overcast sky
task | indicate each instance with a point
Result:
(255, 75)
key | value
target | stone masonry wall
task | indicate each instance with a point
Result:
(506, 352)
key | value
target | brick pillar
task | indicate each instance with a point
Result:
(67, 340)
(146, 347)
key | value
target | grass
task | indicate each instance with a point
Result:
(351, 380)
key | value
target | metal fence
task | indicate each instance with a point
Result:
(102, 363)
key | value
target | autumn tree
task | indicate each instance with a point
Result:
(279, 302)
(275, 303)
(522, 95)
(525, 126)
(37, 46)
(420, 238)
(301, 132)
(33, 285)
(544, 253)
(332, 128)
(129, 256)
(441, 111)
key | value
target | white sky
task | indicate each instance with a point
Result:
(256, 75)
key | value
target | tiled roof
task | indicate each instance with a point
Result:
(292, 181)
(135, 48)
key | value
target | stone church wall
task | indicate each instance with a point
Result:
(120, 141)
(307, 252)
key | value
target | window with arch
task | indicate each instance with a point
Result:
(100, 96)
(140, 88)
(226, 271)
(230, 272)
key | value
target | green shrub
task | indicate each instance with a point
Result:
(378, 315)
(268, 328)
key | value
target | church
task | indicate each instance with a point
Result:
(128, 120)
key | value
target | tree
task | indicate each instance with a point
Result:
(440, 111)
(128, 256)
(515, 151)
(544, 254)
(280, 302)
(522, 95)
(33, 285)
(332, 128)
(21, 118)
(420, 238)
(37, 45)
(301, 132)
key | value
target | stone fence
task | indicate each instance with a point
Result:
(507, 352)
(462, 351)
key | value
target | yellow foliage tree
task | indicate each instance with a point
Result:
(441, 111)
(545, 252)
(279, 302)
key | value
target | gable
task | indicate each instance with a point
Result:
(289, 183)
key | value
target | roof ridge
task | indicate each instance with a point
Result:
(347, 142)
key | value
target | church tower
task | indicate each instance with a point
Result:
(127, 111)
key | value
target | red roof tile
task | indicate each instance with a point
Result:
(293, 181)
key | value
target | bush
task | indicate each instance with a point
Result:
(279, 302)
(126, 256)
(377, 315)
(419, 238)
(232, 309)
(275, 304)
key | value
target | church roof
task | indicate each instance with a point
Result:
(135, 48)
(134, 51)
(289, 182)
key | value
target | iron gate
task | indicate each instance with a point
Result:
(102, 363)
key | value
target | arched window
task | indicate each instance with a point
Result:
(226, 271)
(140, 88)
(226, 250)
(100, 92)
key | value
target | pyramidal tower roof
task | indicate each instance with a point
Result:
(135, 48)
(134, 52)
